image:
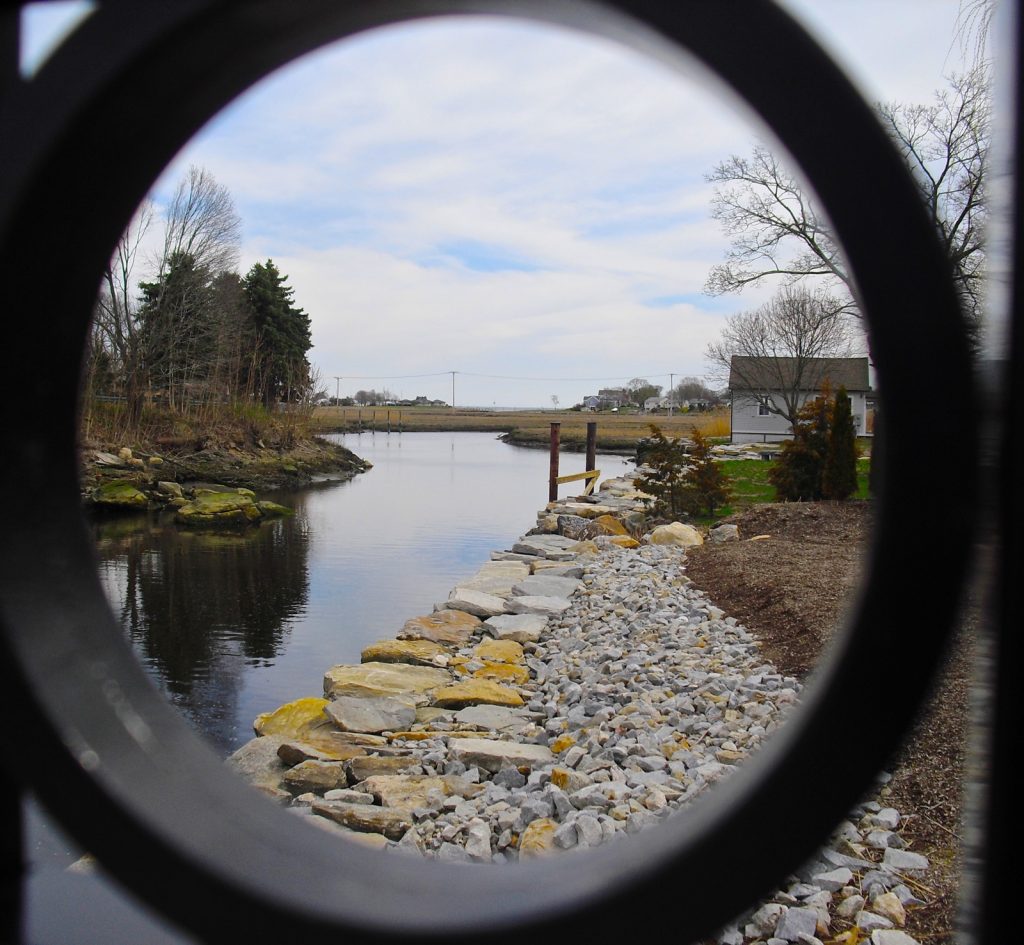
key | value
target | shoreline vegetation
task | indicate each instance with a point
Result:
(616, 432)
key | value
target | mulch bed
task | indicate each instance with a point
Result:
(789, 590)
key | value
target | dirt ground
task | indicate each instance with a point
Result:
(788, 591)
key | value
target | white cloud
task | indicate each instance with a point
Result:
(502, 198)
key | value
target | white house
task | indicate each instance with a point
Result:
(763, 389)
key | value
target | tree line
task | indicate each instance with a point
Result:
(195, 332)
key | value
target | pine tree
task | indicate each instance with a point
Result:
(283, 333)
(705, 478)
(839, 475)
(666, 481)
(797, 472)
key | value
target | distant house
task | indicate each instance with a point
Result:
(592, 402)
(762, 388)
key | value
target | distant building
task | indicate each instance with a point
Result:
(756, 386)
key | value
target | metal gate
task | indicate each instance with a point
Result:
(83, 140)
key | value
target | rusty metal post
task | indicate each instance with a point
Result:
(556, 429)
(591, 445)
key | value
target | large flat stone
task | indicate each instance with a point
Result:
(523, 628)
(545, 546)
(366, 818)
(497, 577)
(494, 718)
(444, 626)
(258, 763)
(316, 776)
(385, 679)
(370, 715)
(501, 651)
(478, 603)
(492, 755)
(538, 605)
(416, 652)
(372, 766)
(413, 790)
(303, 721)
(476, 692)
(546, 585)
(586, 509)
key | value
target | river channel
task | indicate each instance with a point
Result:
(231, 625)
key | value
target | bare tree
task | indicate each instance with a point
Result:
(201, 222)
(783, 349)
(946, 147)
(777, 231)
(117, 329)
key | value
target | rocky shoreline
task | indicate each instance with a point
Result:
(577, 688)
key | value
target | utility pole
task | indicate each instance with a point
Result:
(337, 389)
(671, 393)
(453, 373)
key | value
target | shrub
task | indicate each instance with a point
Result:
(797, 473)
(839, 475)
(682, 482)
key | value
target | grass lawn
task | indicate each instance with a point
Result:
(749, 485)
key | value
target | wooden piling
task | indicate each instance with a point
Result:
(556, 429)
(591, 445)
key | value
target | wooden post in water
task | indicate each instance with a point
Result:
(556, 429)
(389, 421)
(591, 445)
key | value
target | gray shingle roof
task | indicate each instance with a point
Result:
(748, 373)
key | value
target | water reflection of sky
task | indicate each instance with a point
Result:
(229, 627)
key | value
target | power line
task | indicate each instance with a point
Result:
(503, 377)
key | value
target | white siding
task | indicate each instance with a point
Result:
(749, 427)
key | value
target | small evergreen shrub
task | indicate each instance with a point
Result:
(682, 482)
(839, 475)
(705, 478)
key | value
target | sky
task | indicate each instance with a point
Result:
(523, 205)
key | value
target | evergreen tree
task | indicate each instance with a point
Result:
(704, 478)
(839, 475)
(281, 369)
(666, 481)
(797, 472)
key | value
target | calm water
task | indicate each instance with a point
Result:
(231, 625)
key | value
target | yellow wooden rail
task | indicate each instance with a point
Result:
(591, 474)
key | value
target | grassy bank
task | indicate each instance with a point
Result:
(615, 431)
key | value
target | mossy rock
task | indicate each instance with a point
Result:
(272, 509)
(218, 510)
(120, 494)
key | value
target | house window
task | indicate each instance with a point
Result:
(762, 407)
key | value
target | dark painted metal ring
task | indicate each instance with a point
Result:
(89, 735)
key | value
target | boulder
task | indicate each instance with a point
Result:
(444, 626)
(367, 818)
(677, 533)
(410, 791)
(120, 494)
(607, 525)
(273, 510)
(492, 755)
(375, 766)
(258, 763)
(411, 683)
(531, 604)
(370, 715)
(475, 692)
(219, 510)
(726, 532)
(303, 722)
(171, 489)
(546, 585)
(478, 603)
(501, 651)
(315, 776)
(523, 628)
(416, 652)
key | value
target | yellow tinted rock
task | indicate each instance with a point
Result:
(293, 719)
(562, 743)
(385, 679)
(503, 672)
(624, 541)
(500, 651)
(610, 525)
(445, 626)
(538, 838)
(416, 652)
(677, 533)
(475, 692)
(303, 721)
(585, 548)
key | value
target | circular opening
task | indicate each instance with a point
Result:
(143, 732)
